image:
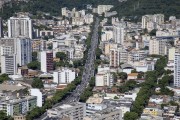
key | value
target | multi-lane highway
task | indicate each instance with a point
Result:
(87, 73)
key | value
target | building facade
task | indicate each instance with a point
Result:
(76, 111)
(20, 26)
(18, 106)
(119, 32)
(24, 51)
(64, 76)
(104, 79)
(177, 69)
(8, 64)
(46, 61)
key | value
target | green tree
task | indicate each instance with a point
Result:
(35, 65)
(61, 55)
(130, 116)
(129, 85)
(98, 53)
(3, 78)
(3, 116)
(153, 32)
(78, 63)
(37, 83)
(50, 47)
(122, 75)
(115, 97)
(34, 56)
(140, 75)
(133, 71)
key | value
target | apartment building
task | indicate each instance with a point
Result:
(110, 113)
(153, 47)
(46, 61)
(9, 64)
(76, 111)
(151, 22)
(104, 78)
(16, 106)
(117, 56)
(119, 32)
(24, 50)
(177, 69)
(38, 45)
(103, 8)
(20, 26)
(160, 46)
(64, 76)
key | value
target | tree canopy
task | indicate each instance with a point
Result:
(130, 116)
(3, 116)
(132, 9)
(35, 65)
(3, 78)
(37, 83)
(61, 55)
(122, 75)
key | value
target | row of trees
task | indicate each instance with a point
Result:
(162, 83)
(129, 85)
(58, 96)
(88, 91)
(146, 90)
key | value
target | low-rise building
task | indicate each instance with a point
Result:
(132, 76)
(64, 76)
(18, 106)
(104, 79)
(110, 113)
(76, 111)
(153, 111)
(156, 99)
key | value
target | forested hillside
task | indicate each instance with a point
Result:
(129, 8)
(142, 7)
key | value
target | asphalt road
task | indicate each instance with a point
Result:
(87, 73)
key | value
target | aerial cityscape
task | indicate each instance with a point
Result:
(89, 60)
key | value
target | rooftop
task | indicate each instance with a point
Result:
(133, 74)
(4, 87)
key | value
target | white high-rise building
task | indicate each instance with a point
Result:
(153, 46)
(46, 61)
(24, 51)
(119, 32)
(20, 26)
(104, 79)
(151, 22)
(36, 92)
(8, 57)
(159, 46)
(117, 56)
(64, 11)
(1, 28)
(64, 76)
(8, 64)
(103, 8)
(177, 69)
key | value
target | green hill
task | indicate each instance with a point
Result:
(142, 7)
(129, 8)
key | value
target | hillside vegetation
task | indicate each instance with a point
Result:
(131, 8)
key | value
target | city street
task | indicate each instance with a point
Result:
(87, 73)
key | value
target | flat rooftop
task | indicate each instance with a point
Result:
(4, 87)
